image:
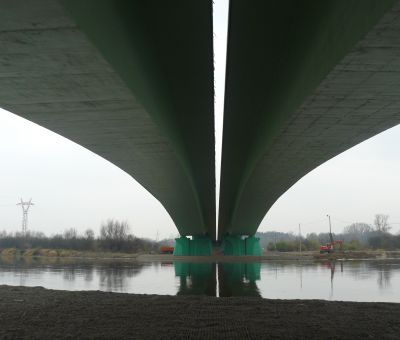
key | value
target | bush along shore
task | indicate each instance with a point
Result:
(43, 252)
(114, 240)
(358, 236)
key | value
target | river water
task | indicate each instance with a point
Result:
(372, 280)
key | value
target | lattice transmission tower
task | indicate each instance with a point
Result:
(25, 208)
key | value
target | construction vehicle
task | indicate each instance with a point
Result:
(331, 247)
(166, 250)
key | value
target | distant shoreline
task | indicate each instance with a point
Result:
(65, 253)
(146, 257)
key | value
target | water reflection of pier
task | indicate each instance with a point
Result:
(239, 279)
(234, 279)
(196, 278)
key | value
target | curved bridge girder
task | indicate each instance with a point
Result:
(305, 80)
(130, 80)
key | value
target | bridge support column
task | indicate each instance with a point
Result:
(199, 245)
(182, 246)
(233, 245)
(236, 245)
(252, 245)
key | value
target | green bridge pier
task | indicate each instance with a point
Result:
(202, 245)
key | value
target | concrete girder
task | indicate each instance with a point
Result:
(305, 81)
(130, 80)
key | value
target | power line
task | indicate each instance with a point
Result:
(314, 222)
(342, 221)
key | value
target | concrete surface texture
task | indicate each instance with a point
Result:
(130, 80)
(305, 81)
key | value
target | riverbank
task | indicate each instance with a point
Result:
(145, 257)
(40, 313)
(54, 253)
(277, 256)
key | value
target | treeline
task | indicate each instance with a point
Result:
(357, 236)
(114, 236)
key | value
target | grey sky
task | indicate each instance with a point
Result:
(72, 187)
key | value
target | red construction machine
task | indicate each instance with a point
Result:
(166, 250)
(333, 246)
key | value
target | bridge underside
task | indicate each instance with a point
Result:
(305, 81)
(133, 82)
(129, 80)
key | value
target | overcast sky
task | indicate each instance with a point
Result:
(72, 187)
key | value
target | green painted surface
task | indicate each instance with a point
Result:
(197, 246)
(182, 246)
(240, 271)
(202, 278)
(200, 246)
(187, 269)
(252, 245)
(239, 279)
(278, 53)
(233, 245)
(239, 246)
(163, 52)
(253, 271)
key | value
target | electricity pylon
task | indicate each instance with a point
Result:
(25, 208)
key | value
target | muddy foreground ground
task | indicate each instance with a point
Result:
(41, 313)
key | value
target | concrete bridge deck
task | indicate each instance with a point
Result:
(305, 81)
(133, 82)
(129, 80)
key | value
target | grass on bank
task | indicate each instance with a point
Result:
(34, 252)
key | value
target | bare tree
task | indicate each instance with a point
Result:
(114, 234)
(381, 223)
(89, 234)
(114, 230)
(358, 229)
(70, 234)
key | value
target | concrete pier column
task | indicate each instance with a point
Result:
(237, 245)
(252, 246)
(182, 246)
(199, 245)
(233, 245)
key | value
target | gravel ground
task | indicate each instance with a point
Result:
(42, 314)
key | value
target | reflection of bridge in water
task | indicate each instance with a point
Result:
(218, 279)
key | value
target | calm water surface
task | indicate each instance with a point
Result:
(347, 280)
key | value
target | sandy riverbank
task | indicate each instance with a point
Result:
(275, 256)
(142, 257)
(41, 313)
